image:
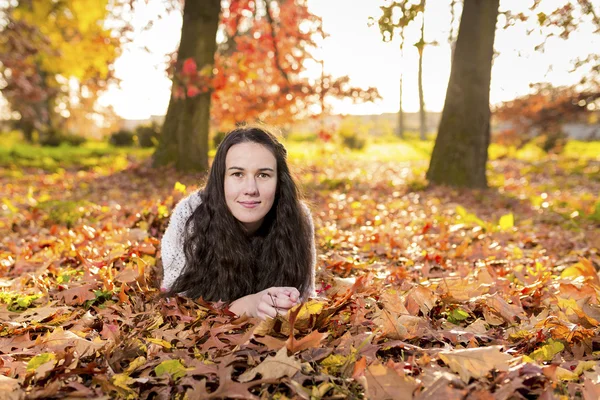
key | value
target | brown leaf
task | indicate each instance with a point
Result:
(420, 298)
(591, 390)
(10, 389)
(509, 312)
(384, 383)
(476, 363)
(271, 342)
(274, 367)
(78, 295)
(59, 339)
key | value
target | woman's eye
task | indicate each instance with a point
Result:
(237, 174)
(263, 175)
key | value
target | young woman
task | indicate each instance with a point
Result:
(246, 238)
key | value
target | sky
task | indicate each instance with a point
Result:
(356, 49)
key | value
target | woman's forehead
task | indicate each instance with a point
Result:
(249, 155)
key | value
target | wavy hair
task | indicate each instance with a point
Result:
(223, 262)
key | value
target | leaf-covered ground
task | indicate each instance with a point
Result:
(431, 293)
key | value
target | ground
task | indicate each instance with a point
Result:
(424, 291)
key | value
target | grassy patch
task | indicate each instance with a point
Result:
(87, 156)
(65, 212)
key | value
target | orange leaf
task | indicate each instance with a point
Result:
(313, 339)
(359, 368)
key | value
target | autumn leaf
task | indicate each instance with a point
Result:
(384, 383)
(476, 362)
(583, 268)
(42, 364)
(313, 339)
(547, 351)
(79, 294)
(60, 338)
(273, 367)
(10, 388)
(506, 222)
(173, 368)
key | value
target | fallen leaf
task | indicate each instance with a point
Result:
(10, 389)
(313, 339)
(477, 362)
(384, 383)
(78, 295)
(173, 368)
(273, 367)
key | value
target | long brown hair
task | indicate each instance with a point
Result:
(222, 261)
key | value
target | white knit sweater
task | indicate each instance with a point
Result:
(173, 257)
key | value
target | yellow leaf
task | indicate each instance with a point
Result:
(40, 359)
(476, 362)
(547, 351)
(160, 342)
(123, 381)
(506, 221)
(566, 375)
(135, 364)
(583, 268)
(172, 367)
(310, 308)
(180, 187)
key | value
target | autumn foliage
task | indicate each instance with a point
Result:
(542, 115)
(52, 53)
(436, 293)
(260, 70)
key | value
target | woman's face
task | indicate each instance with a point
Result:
(250, 183)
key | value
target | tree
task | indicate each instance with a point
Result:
(397, 16)
(421, 48)
(460, 153)
(46, 47)
(459, 156)
(256, 74)
(184, 134)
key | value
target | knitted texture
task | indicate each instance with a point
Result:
(173, 257)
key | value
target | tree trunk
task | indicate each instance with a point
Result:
(400, 130)
(184, 134)
(422, 120)
(461, 149)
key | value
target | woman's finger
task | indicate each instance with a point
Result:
(291, 292)
(284, 303)
(266, 310)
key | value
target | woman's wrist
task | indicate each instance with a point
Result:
(240, 306)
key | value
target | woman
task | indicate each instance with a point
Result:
(246, 238)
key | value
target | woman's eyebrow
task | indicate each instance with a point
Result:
(260, 169)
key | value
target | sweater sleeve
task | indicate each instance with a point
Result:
(173, 257)
(310, 290)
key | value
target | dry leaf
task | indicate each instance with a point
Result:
(476, 363)
(384, 383)
(273, 367)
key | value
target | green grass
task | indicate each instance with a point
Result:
(15, 154)
(87, 156)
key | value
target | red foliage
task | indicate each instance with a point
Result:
(543, 113)
(259, 71)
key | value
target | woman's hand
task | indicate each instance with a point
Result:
(267, 303)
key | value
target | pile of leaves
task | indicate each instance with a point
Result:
(424, 293)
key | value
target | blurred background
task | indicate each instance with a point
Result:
(92, 78)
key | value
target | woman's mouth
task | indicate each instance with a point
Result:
(250, 204)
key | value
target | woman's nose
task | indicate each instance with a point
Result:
(250, 187)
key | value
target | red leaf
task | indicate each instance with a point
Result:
(189, 67)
